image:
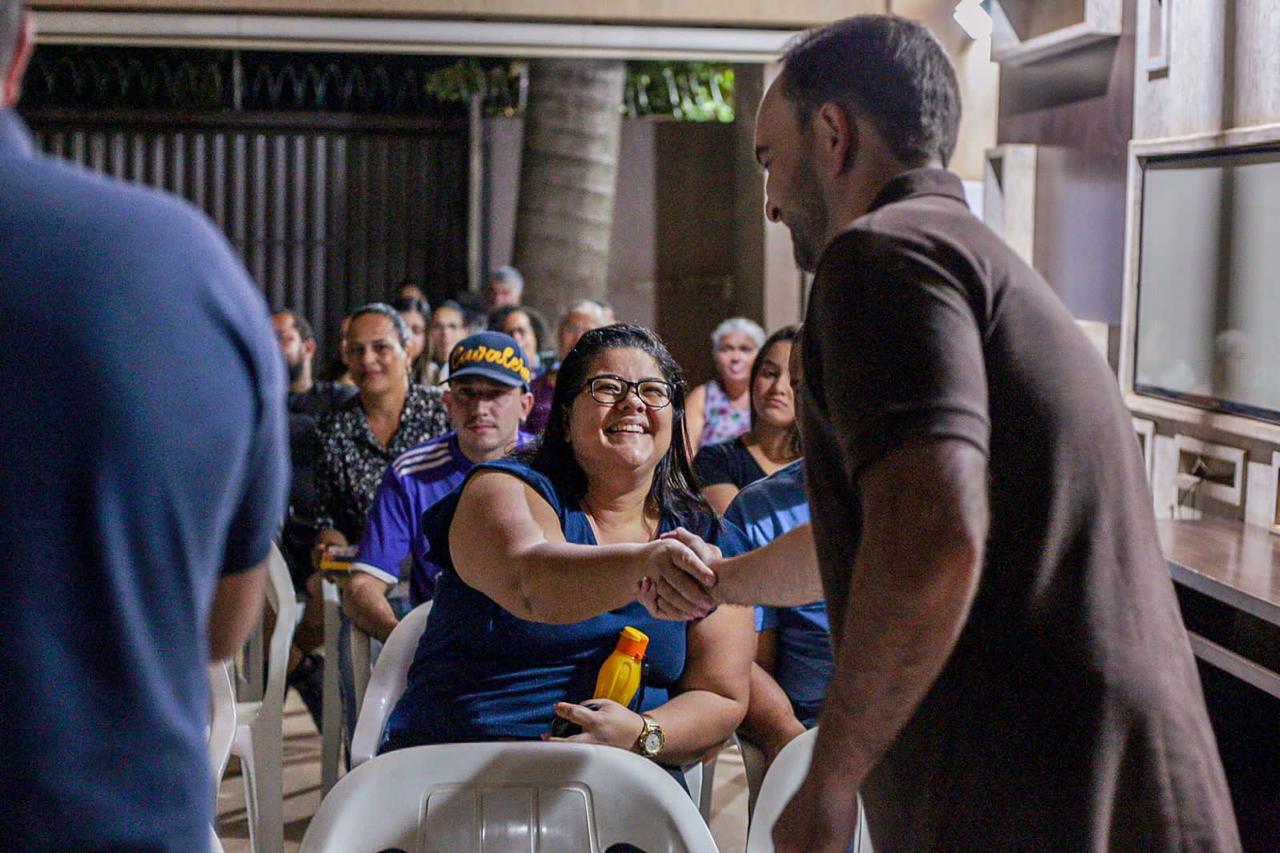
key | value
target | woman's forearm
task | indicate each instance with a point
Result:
(695, 722)
(558, 583)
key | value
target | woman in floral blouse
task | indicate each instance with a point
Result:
(389, 416)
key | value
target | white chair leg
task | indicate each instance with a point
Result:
(243, 750)
(753, 765)
(708, 785)
(268, 748)
(332, 723)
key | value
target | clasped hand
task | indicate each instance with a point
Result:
(680, 583)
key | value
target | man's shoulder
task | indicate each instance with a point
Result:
(430, 461)
(786, 482)
(87, 199)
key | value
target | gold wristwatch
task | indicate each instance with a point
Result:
(649, 744)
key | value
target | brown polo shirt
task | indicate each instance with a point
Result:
(1070, 715)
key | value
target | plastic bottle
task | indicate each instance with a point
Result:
(619, 677)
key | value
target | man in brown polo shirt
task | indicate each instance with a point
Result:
(1011, 667)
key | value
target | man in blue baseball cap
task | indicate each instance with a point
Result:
(488, 398)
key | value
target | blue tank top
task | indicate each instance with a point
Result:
(481, 673)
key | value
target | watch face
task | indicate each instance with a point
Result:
(653, 742)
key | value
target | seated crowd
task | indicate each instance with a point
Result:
(528, 493)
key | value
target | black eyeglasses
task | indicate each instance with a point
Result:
(610, 390)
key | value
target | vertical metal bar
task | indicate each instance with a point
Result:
(98, 152)
(301, 166)
(196, 165)
(475, 195)
(218, 177)
(279, 218)
(178, 164)
(257, 189)
(317, 218)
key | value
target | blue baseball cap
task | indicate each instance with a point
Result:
(491, 355)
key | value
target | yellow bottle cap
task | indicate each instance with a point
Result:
(632, 643)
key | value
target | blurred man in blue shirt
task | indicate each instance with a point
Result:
(145, 473)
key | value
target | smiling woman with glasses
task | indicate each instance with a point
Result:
(609, 390)
(543, 557)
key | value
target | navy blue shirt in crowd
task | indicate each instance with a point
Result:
(482, 673)
(144, 434)
(765, 510)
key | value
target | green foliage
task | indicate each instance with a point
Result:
(687, 91)
(501, 86)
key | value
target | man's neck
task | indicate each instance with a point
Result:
(304, 383)
(860, 190)
(475, 456)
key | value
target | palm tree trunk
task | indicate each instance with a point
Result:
(568, 175)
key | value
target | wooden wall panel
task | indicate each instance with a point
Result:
(1079, 110)
(1224, 68)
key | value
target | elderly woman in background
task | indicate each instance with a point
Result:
(720, 409)
(580, 317)
(388, 416)
(417, 317)
(542, 558)
(772, 443)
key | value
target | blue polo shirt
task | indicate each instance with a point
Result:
(765, 510)
(145, 456)
(414, 481)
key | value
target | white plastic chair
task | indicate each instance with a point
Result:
(222, 729)
(507, 796)
(222, 718)
(387, 683)
(753, 767)
(259, 733)
(780, 785)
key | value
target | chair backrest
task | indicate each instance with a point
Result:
(222, 718)
(780, 784)
(281, 597)
(387, 682)
(507, 796)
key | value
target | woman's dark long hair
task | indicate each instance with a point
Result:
(787, 334)
(673, 491)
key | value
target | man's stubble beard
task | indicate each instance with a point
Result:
(808, 222)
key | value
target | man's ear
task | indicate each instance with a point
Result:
(526, 405)
(21, 56)
(836, 137)
(309, 348)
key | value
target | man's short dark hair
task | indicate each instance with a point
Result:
(889, 69)
(305, 332)
(10, 28)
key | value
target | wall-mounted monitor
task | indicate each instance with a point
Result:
(1203, 307)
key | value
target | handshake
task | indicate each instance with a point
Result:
(681, 580)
